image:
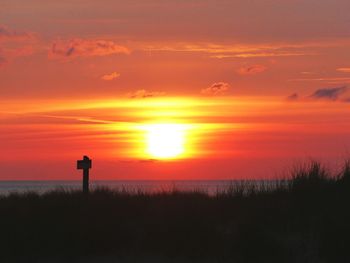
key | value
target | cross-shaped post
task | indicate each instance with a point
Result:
(85, 165)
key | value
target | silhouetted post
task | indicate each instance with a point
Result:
(85, 165)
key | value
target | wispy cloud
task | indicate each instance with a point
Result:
(15, 44)
(262, 55)
(219, 88)
(251, 70)
(344, 70)
(237, 50)
(308, 73)
(8, 34)
(141, 93)
(85, 48)
(329, 80)
(293, 97)
(328, 93)
(111, 76)
(9, 54)
(333, 94)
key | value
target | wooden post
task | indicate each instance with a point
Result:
(85, 165)
(86, 181)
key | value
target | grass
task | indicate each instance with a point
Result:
(304, 219)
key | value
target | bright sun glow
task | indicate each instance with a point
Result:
(165, 141)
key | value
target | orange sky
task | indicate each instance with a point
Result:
(259, 85)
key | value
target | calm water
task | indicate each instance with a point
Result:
(210, 187)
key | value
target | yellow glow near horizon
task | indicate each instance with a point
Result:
(165, 141)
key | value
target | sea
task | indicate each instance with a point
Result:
(134, 186)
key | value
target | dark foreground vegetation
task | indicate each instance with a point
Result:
(305, 219)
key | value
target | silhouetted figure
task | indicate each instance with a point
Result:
(85, 164)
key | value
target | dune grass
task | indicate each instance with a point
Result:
(303, 219)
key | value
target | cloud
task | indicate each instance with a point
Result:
(9, 54)
(15, 44)
(251, 70)
(308, 73)
(344, 70)
(141, 93)
(7, 34)
(328, 80)
(218, 88)
(293, 97)
(262, 55)
(221, 51)
(333, 94)
(85, 48)
(328, 93)
(111, 76)
(23, 51)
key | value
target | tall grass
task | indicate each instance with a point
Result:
(304, 218)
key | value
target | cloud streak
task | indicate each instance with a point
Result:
(141, 94)
(333, 94)
(112, 76)
(293, 97)
(328, 93)
(85, 48)
(15, 44)
(238, 50)
(344, 70)
(216, 89)
(8, 34)
(251, 70)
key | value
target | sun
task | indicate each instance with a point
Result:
(165, 141)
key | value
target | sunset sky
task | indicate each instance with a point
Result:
(231, 89)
